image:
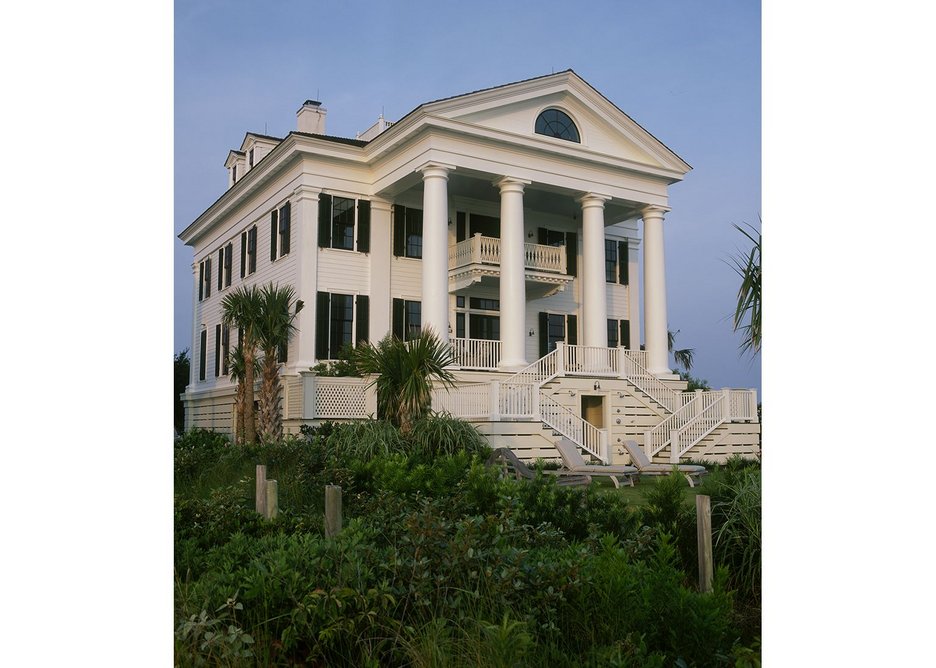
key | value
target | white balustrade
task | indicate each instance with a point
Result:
(487, 250)
(633, 369)
(701, 425)
(570, 425)
(464, 401)
(476, 353)
(590, 360)
(743, 405)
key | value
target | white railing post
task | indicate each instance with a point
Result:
(603, 446)
(560, 358)
(752, 404)
(535, 400)
(494, 400)
(476, 248)
(726, 405)
(674, 447)
(648, 445)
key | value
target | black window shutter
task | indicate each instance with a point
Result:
(201, 354)
(220, 268)
(324, 223)
(228, 261)
(622, 262)
(571, 253)
(363, 230)
(542, 238)
(225, 349)
(274, 232)
(399, 230)
(201, 280)
(543, 333)
(397, 326)
(362, 315)
(252, 248)
(217, 350)
(321, 325)
(207, 277)
(243, 254)
(571, 330)
(284, 225)
(625, 334)
(461, 228)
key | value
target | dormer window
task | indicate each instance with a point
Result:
(555, 123)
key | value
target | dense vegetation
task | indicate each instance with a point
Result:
(443, 563)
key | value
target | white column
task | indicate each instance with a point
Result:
(594, 290)
(196, 328)
(655, 291)
(512, 278)
(305, 206)
(381, 250)
(435, 248)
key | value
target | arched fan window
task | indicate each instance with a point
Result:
(555, 123)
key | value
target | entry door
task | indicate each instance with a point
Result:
(593, 410)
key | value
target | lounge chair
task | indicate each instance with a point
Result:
(511, 465)
(639, 459)
(575, 463)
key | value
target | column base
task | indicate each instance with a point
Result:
(512, 365)
(664, 374)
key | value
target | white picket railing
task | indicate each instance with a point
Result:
(541, 371)
(701, 425)
(476, 353)
(464, 401)
(570, 425)
(590, 360)
(696, 402)
(517, 400)
(743, 405)
(487, 250)
(633, 370)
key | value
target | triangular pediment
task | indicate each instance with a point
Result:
(603, 128)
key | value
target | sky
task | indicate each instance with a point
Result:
(688, 72)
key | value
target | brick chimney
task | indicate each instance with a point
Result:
(311, 118)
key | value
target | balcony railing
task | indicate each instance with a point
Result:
(487, 250)
(476, 353)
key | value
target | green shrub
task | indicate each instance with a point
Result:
(441, 434)
(196, 449)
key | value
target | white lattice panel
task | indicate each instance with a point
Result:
(340, 400)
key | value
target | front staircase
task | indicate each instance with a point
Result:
(683, 419)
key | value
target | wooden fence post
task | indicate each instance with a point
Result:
(704, 534)
(332, 510)
(272, 499)
(261, 490)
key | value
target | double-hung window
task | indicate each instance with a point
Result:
(616, 261)
(407, 318)
(619, 333)
(407, 231)
(204, 279)
(202, 354)
(344, 223)
(248, 251)
(339, 320)
(555, 327)
(224, 266)
(279, 232)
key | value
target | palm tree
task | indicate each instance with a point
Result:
(747, 315)
(236, 366)
(241, 309)
(407, 372)
(682, 357)
(278, 311)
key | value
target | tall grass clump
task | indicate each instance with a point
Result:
(366, 440)
(441, 434)
(737, 539)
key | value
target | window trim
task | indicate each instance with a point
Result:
(571, 123)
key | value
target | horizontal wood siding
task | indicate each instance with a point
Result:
(344, 272)
(406, 278)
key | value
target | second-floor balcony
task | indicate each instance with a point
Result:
(478, 259)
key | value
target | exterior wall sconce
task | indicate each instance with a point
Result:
(597, 385)
(529, 235)
(531, 331)
(571, 393)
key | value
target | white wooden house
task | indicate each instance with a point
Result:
(510, 220)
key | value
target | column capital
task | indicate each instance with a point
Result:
(654, 211)
(592, 199)
(436, 169)
(508, 184)
(380, 204)
(306, 192)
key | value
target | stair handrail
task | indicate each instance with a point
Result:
(701, 425)
(657, 438)
(635, 373)
(537, 373)
(584, 434)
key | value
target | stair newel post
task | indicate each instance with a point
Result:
(752, 404)
(494, 401)
(603, 446)
(698, 403)
(535, 403)
(560, 358)
(476, 248)
(648, 445)
(674, 447)
(726, 404)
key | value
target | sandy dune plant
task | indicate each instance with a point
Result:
(747, 315)
(407, 370)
